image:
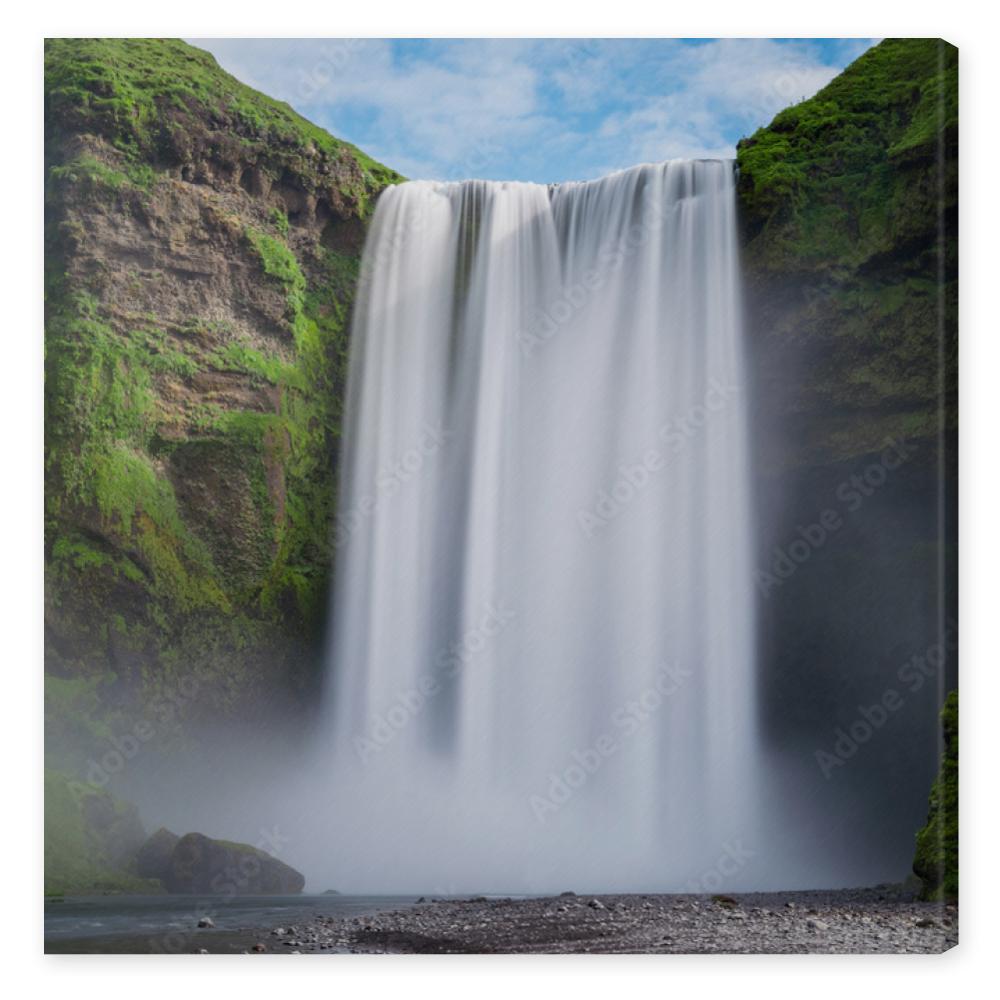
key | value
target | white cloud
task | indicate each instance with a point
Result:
(544, 109)
(720, 89)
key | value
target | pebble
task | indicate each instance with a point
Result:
(845, 921)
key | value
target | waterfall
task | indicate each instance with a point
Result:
(541, 667)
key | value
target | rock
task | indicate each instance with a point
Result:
(152, 860)
(176, 251)
(201, 865)
(925, 922)
(817, 925)
(596, 904)
(206, 922)
(258, 947)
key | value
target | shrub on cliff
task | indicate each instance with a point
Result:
(936, 859)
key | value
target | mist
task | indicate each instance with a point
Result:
(577, 613)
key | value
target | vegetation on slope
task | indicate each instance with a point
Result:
(202, 247)
(849, 209)
(826, 180)
(155, 98)
(849, 204)
(936, 859)
(90, 840)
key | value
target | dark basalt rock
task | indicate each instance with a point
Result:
(153, 858)
(201, 865)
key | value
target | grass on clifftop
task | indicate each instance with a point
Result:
(142, 582)
(136, 91)
(826, 168)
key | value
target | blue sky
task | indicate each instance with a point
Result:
(536, 109)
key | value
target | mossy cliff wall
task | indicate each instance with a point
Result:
(202, 246)
(849, 205)
(936, 858)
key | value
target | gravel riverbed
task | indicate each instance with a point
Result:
(842, 921)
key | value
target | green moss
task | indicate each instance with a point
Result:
(75, 556)
(139, 503)
(280, 221)
(842, 200)
(280, 263)
(823, 179)
(90, 837)
(97, 174)
(76, 725)
(99, 422)
(313, 411)
(187, 515)
(237, 356)
(936, 857)
(144, 94)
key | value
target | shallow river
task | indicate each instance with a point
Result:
(169, 924)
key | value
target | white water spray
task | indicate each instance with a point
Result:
(541, 672)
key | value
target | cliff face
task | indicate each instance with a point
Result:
(849, 207)
(202, 246)
(936, 858)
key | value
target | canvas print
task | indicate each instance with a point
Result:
(500, 495)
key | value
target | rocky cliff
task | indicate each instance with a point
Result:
(849, 206)
(850, 210)
(936, 858)
(202, 246)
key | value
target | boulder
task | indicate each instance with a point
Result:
(153, 858)
(204, 866)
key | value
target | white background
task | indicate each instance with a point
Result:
(966, 25)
